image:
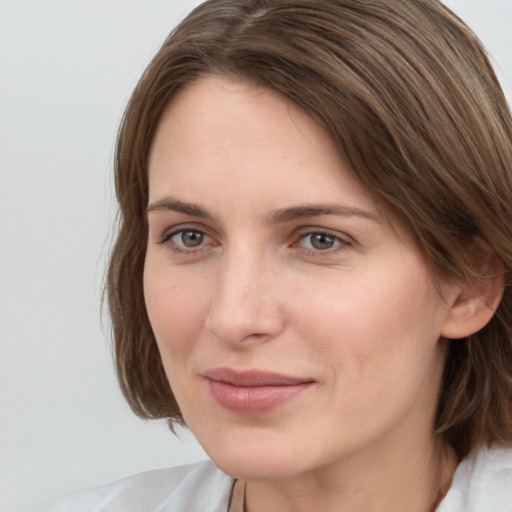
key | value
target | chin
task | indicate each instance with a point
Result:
(256, 462)
(248, 469)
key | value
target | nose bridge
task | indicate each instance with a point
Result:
(244, 304)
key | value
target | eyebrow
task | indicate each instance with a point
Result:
(277, 216)
(315, 210)
(170, 204)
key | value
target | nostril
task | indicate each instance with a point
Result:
(244, 325)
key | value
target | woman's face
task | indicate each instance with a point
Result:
(297, 327)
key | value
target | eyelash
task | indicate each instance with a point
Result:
(167, 237)
(339, 242)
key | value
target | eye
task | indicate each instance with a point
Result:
(320, 241)
(187, 239)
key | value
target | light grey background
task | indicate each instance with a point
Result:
(66, 71)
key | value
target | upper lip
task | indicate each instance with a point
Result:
(253, 378)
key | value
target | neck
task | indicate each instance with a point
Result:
(398, 481)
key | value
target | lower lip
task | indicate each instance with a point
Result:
(254, 400)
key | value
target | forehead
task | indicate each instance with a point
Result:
(235, 134)
(215, 115)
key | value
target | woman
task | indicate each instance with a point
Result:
(313, 262)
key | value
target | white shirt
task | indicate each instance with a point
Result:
(199, 487)
(481, 483)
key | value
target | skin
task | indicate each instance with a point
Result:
(358, 314)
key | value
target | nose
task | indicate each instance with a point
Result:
(246, 307)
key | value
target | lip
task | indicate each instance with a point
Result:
(253, 392)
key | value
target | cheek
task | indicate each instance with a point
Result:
(372, 325)
(176, 310)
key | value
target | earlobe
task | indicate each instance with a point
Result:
(474, 302)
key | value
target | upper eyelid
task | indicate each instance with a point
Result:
(183, 226)
(314, 229)
(326, 231)
(342, 241)
(173, 231)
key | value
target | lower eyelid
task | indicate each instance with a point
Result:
(340, 245)
(181, 250)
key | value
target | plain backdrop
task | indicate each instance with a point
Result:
(67, 68)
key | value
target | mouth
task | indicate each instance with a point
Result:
(253, 392)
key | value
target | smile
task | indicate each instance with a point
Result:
(253, 392)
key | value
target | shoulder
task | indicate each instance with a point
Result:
(482, 482)
(192, 488)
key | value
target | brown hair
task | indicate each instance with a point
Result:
(408, 94)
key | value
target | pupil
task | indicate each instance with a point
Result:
(192, 238)
(322, 241)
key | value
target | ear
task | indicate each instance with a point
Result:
(473, 302)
